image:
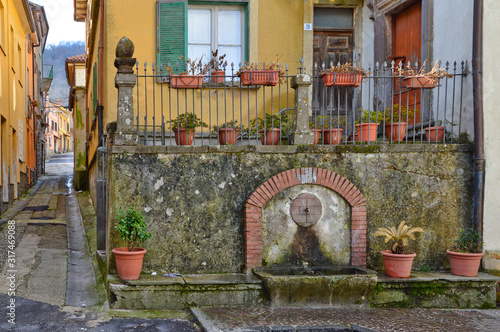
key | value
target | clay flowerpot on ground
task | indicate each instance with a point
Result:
(227, 132)
(398, 261)
(345, 75)
(217, 65)
(465, 257)
(415, 78)
(270, 127)
(255, 74)
(191, 77)
(367, 125)
(132, 229)
(331, 128)
(184, 127)
(395, 122)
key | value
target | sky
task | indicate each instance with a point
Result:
(62, 27)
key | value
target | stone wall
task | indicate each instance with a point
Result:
(193, 197)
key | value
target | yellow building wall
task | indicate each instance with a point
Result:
(12, 95)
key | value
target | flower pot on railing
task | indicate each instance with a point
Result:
(186, 81)
(419, 82)
(270, 136)
(395, 131)
(184, 136)
(217, 76)
(332, 136)
(342, 79)
(367, 132)
(434, 134)
(259, 77)
(228, 136)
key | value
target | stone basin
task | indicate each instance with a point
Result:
(324, 286)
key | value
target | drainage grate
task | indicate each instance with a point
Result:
(36, 208)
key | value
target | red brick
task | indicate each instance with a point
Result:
(286, 180)
(264, 193)
(277, 183)
(252, 214)
(281, 179)
(337, 182)
(253, 209)
(315, 174)
(267, 185)
(259, 198)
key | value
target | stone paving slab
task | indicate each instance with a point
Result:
(263, 318)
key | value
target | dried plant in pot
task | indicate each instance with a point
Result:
(261, 74)
(420, 78)
(184, 127)
(191, 77)
(465, 256)
(217, 65)
(132, 229)
(345, 75)
(397, 260)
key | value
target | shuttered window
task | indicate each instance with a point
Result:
(199, 30)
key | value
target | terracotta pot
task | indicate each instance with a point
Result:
(342, 79)
(184, 136)
(316, 133)
(217, 76)
(397, 265)
(228, 136)
(395, 131)
(129, 263)
(259, 77)
(434, 134)
(271, 137)
(464, 264)
(419, 82)
(186, 81)
(367, 132)
(332, 136)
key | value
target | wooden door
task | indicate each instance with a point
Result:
(406, 46)
(331, 47)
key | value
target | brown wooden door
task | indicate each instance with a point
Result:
(331, 47)
(406, 46)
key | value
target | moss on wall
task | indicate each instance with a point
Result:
(194, 202)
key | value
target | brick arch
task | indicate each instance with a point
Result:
(300, 176)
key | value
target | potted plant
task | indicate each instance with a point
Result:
(255, 74)
(132, 229)
(191, 78)
(466, 255)
(228, 132)
(366, 126)
(331, 128)
(398, 261)
(395, 122)
(270, 127)
(343, 75)
(435, 133)
(421, 79)
(217, 65)
(184, 127)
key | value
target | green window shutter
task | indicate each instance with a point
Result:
(171, 33)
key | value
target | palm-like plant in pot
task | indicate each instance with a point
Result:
(132, 229)
(184, 127)
(465, 257)
(398, 261)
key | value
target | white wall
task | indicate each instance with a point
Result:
(367, 55)
(491, 105)
(453, 42)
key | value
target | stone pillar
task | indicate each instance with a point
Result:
(301, 135)
(125, 82)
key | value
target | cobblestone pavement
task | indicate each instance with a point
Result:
(369, 319)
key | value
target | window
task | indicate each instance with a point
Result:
(196, 30)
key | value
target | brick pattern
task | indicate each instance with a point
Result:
(293, 177)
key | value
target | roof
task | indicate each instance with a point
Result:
(77, 58)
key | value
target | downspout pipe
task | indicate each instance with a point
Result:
(477, 90)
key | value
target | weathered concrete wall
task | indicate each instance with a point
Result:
(192, 197)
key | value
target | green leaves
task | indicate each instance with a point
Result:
(469, 241)
(399, 235)
(132, 227)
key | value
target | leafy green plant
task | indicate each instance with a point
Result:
(188, 121)
(270, 121)
(370, 117)
(327, 122)
(228, 124)
(131, 227)
(469, 241)
(398, 114)
(399, 235)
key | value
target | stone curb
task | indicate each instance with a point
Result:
(205, 322)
